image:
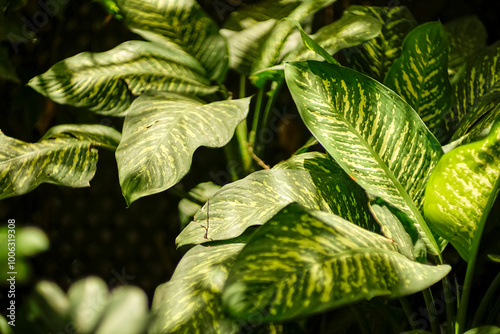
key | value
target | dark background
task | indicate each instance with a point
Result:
(91, 231)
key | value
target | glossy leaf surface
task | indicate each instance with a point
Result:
(161, 133)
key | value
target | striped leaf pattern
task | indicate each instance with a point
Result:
(461, 191)
(160, 134)
(481, 76)
(182, 23)
(420, 75)
(191, 301)
(304, 261)
(370, 131)
(376, 56)
(311, 180)
(66, 155)
(108, 82)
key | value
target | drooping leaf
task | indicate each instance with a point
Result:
(66, 155)
(273, 45)
(495, 258)
(481, 76)
(420, 75)
(376, 56)
(310, 179)
(461, 191)
(180, 23)
(191, 301)
(467, 35)
(161, 133)
(370, 131)
(108, 82)
(304, 261)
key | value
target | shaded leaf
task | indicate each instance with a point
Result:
(199, 194)
(484, 330)
(461, 191)
(66, 155)
(304, 261)
(371, 133)
(108, 82)
(191, 301)
(420, 75)
(311, 179)
(376, 56)
(161, 133)
(183, 24)
(495, 258)
(7, 70)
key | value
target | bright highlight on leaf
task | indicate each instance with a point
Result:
(303, 261)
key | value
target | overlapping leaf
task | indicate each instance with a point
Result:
(191, 301)
(108, 82)
(310, 179)
(304, 261)
(179, 23)
(420, 75)
(481, 76)
(66, 155)
(376, 56)
(462, 190)
(370, 131)
(161, 133)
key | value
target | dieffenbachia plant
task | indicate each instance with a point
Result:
(362, 223)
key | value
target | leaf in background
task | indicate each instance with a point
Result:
(191, 301)
(376, 56)
(161, 133)
(88, 298)
(481, 76)
(189, 206)
(304, 261)
(484, 330)
(420, 75)
(182, 23)
(316, 182)
(495, 258)
(467, 36)
(111, 7)
(66, 155)
(108, 82)
(370, 131)
(274, 43)
(461, 191)
(348, 31)
(7, 71)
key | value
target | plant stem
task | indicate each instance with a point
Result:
(488, 297)
(271, 101)
(231, 158)
(408, 311)
(448, 299)
(242, 134)
(256, 117)
(360, 320)
(431, 310)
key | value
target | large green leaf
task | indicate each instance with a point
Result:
(66, 155)
(461, 191)
(376, 56)
(481, 76)
(273, 45)
(467, 35)
(179, 23)
(191, 301)
(108, 82)
(161, 133)
(311, 179)
(304, 261)
(420, 75)
(370, 131)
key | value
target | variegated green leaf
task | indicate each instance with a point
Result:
(467, 35)
(461, 191)
(108, 82)
(161, 133)
(66, 155)
(376, 56)
(311, 179)
(370, 131)
(348, 31)
(481, 76)
(420, 75)
(276, 40)
(179, 23)
(304, 261)
(191, 301)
